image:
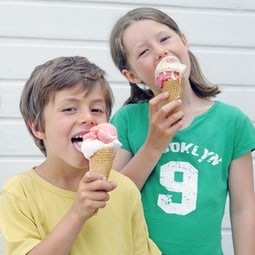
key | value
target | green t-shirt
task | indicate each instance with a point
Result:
(184, 197)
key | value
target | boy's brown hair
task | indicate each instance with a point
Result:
(55, 75)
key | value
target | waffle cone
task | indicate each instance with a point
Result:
(101, 161)
(174, 88)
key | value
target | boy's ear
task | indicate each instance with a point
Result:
(131, 76)
(37, 133)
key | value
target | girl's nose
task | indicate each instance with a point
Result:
(161, 52)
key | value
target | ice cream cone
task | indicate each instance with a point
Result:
(101, 161)
(175, 89)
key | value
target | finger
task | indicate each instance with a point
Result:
(92, 206)
(171, 107)
(90, 176)
(157, 101)
(98, 195)
(90, 201)
(97, 184)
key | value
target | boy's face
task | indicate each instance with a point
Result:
(70, 114)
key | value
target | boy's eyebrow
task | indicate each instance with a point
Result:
(74, 99)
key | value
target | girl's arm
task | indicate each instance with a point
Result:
(242, 205)
(163, 126)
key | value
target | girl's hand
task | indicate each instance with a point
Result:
(164, 122)
(92, 194)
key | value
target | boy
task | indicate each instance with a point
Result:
(51, 208)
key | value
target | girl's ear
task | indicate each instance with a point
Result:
(185, 41)
(131, 76)
(37, 133)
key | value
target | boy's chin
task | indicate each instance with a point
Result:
(77, 146)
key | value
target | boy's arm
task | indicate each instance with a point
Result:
(20, 233)
(92, 194)
(242, 205)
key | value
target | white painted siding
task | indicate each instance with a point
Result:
(32, 32)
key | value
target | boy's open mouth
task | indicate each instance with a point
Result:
(77, 140)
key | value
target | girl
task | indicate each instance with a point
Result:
(184, 162)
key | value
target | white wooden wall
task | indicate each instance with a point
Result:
(221, 34)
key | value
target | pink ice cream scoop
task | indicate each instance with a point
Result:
(169, 68)
(101, 136)
(165, 76)
(104, 132)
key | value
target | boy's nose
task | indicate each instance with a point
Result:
(86, 118)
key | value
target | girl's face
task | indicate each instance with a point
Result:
(146, 42)
(71, 114)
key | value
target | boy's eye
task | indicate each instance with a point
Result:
(69, 109)
(96, 110)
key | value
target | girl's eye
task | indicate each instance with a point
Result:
(165, 38)
(142, 52)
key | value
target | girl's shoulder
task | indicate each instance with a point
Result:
(227, 107)
(134, 106)
(228, 110)
(132, 111)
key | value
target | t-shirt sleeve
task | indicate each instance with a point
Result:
(244, 136)
(17, 227)
(141, 240)
(119, 120)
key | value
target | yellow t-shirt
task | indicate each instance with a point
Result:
(30, 207)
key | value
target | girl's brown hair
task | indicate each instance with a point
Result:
(200, 85)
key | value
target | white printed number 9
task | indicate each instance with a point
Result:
(186, 186)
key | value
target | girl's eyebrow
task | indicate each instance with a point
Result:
(158, 33)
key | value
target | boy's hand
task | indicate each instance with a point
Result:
(92, 194)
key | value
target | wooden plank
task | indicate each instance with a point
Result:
(10, 93)
(30, 22)
(242, 97)
(16, 141)
(216, 4)
(221, 66)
